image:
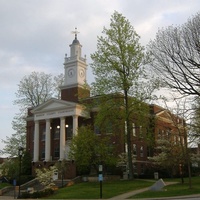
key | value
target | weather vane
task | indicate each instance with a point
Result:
(75, 32)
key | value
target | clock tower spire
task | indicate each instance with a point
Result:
(74, 86)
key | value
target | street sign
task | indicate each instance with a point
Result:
(100, 168)
(14, 182)
(100, 177)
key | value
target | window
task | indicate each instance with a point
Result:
(56, 152)
(134, 149)
(141, 151)
(133, 125)
(69, 132)
(159, 134)
(43, 131)
(43, 153)
(168, 133)
(140, 131)
(149, 153)
(142, 168)
(125, 127)
(175, 139)
(135, 168)
(126, 148)
(57, 132)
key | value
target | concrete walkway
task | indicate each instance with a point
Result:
(129, 194)
(132, 193)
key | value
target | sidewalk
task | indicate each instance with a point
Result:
(132, 193)
(129, 194)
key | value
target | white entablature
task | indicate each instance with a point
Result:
(55, 108)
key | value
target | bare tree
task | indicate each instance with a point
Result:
(181, 120)
(176, 56)
(37, 88)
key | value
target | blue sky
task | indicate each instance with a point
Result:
(35, 35)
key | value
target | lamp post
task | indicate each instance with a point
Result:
(62, 173)
(20, 152)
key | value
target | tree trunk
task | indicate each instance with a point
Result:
(128, 132)
(189, 174)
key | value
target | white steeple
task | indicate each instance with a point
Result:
(75, 65)
(75, 49)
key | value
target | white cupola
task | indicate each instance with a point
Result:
(75, 68)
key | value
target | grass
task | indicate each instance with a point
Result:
(92, 190)
(178, 189)
(2, 185)
(89, 190)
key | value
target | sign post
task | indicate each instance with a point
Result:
(14, 184)
(100, 179)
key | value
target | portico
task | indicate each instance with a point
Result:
(52, 124)
(55, 114)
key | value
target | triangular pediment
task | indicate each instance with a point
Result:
(166, 116)
(54, 104)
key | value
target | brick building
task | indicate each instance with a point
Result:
(51, 125)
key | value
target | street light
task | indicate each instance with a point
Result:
(20, 152)
(62, 171)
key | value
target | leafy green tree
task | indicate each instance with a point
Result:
(89, 150)
(26, 163)
(10, 168)
(118, 66)
(33, 90)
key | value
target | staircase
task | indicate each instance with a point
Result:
(35, 184)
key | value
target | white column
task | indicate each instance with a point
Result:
(47, 141)
(62, 138)
(75, 124)
(36, 142)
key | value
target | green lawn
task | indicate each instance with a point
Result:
(2, 185)
(88, 190)
(92, 190)
(178, 189)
